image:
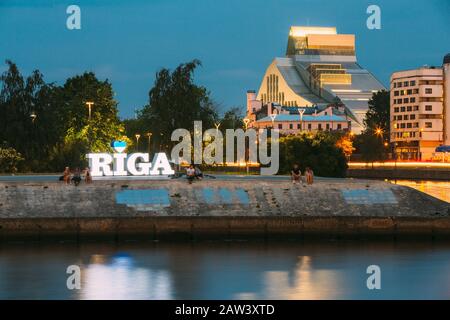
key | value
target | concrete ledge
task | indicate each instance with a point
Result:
(225, 228)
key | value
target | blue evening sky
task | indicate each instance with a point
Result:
(128, 41)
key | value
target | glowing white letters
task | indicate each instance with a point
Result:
(135, 164)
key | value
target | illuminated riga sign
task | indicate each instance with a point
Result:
(123, 164)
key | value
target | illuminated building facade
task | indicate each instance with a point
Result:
(293, 119)
(319, 68)
(420, 111)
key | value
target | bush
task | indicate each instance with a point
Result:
(9, 160)
(317, 151)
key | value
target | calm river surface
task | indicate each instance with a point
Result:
(218, 270)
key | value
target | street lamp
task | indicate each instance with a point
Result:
(89, 105)
(272, 117)
(246, 122)
(149, 135)
(301, 111)
(33, 116)
(217, 125)
(137, 141)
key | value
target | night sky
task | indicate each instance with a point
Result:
(128, 41)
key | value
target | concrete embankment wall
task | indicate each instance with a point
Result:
(211, 209)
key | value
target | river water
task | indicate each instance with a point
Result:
(234, 270)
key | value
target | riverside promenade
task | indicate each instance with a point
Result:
(224, 208)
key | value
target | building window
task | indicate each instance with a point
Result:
(428, 91)
(396, 109)
(412, 83)
(409, 125)
(402, 125)
(319, 126)
(416, 108)
(291, 126)
(395, 84)
(402, 109)
(328, 126)
(428, 108)
(339, 126)
(409, 91)
(428, 125)
(280, 126)
(412, 117)
(405, 84)
(406, 117)
(309, 126)
(298, 125)
(399, 117)
(406, 100)
(399, 84)
(412, 100)
(396, 93)
(416, 91)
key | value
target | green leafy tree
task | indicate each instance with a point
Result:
(317, 151)
(29, 121)
(232, 119)
(370, 146)
(9, 160)
(378, 115)
(175, 101)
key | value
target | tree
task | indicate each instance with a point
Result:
(317, 151)
(175, 101)
(81, 134)
(370, 146)
(29, 121)
(232, 119)
(9, 160)
(378, 115)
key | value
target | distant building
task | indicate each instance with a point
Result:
(293, 119)
(420, 111)
(319, 67)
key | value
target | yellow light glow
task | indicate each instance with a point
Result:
(346, 90)
(303, 31)
(391, 164)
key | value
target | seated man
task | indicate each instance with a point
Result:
(190, 173)
(198, 173)
(296, 174)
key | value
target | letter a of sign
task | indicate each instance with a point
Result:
(74, 20)
(374, 20)
(374, 281)
(74, 280)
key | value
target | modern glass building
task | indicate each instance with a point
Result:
(319, 68)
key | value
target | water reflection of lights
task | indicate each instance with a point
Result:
(437, 189)
(121, 279)
(307, 283)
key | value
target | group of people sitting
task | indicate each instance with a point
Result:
(193, 172)
(296, 175)
(75, 177)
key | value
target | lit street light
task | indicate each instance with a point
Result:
(149, 135)
(246, 122)
(301, 111)
(137, 141)
(33, 116)
(89, 105)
